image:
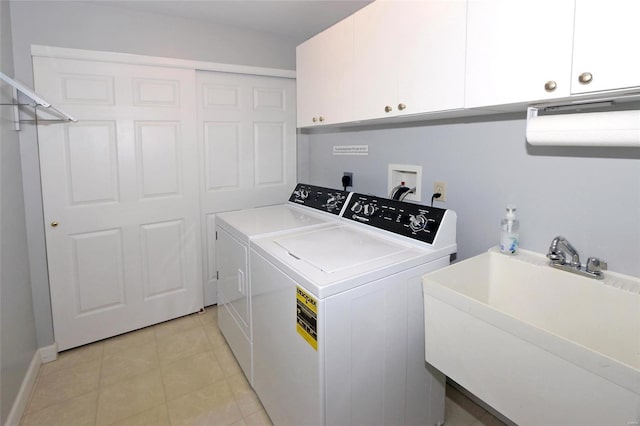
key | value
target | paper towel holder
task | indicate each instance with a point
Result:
(602, 128)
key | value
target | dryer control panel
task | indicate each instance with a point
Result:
(407, 219)
(324, 199)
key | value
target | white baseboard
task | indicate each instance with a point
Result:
(22, 399)
(49, 353)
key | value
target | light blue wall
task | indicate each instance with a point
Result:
(589, 195)
(82, 25)
(17, 325)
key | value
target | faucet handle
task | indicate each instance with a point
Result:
(596, 265)
(556, 257)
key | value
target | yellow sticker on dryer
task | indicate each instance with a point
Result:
(307, 317)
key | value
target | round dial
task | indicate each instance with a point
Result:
(356, 207)
(418, 222)
(332, 202)
(369, 209)
(304, 194)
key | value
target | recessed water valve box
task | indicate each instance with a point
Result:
(410, 175)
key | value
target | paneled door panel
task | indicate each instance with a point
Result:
(163, 270)
(247, 133)
(97, 271)
(92, 168)
(158, 153)
(269, 154)
(121, 197)
(222, 156)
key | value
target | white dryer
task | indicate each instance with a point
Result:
(309, 207)
(338, 317)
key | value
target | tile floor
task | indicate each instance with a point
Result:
(180, 372)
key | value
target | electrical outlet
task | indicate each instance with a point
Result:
(347, 179)
(440, 187)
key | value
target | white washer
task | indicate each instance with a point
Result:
(338, 317)
(309, 207)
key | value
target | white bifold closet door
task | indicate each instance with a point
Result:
(121, 197)
(247, 129)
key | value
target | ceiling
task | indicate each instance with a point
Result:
(297, 19)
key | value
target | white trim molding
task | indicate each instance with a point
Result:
(49, 353)
(129, 58)
(22, 399)
(41, 356)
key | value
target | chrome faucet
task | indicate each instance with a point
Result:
(561, 249)
(559, 256)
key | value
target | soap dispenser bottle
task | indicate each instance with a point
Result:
(509, 237)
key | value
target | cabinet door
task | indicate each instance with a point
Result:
(409, 57)
(376, 60)
(514, 48)
(431, 55)
(606, 35)
(324, 74)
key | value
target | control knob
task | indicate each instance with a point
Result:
(356, 207)
(303, 194)
(332, 202)
(417, 223)
(369, 209)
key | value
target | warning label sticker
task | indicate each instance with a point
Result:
(307, 317)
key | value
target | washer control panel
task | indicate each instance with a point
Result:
(407, 219)
(324, 199)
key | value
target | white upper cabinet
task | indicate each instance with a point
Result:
(398, 58)
(605, 55)
(324, 73)
(431, 50)
(409, 57)
(375, 60)
(518, 51)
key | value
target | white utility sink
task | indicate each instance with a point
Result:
(540, 345)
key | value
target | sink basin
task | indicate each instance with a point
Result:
(540, 345)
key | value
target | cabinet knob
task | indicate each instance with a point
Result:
(315, 120)
(321, 119)
(402, 107)
(54, 224)
(388, 109)
(550, 86)
(585, 78)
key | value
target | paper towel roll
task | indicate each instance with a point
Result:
(614, 128)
